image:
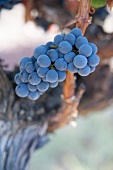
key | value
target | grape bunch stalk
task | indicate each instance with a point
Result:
(47, 67)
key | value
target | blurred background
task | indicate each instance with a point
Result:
(89, 146)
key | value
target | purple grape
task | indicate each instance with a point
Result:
(30, 67)
(17, 79)
(22, 90)
(65, 47)
(43, 61)
(61, 64)
(23, 62)
(53, 85)
(43, 86)
(80, 41)
(53, 54)
(24, 76)
(93, 60)
(58, 39)
(85, 50)
(52, 76)
(72, 68)
(39, 51)
(61, 76)
(42, 72)
(69, 56)
(84, 71)
(70, 38)
(33, 95)
(31, 87)
(76, 32)
(34, 79)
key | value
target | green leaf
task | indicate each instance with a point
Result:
(98, 3)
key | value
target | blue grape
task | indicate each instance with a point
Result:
(34, 79)
(17, 79)
(48, 44)
(76, 32)
(30, 67)
(61, 76)
(33, 95)
(39, 51)
(85, 50)
(93, 60)
(94, 48)
(69, 56)
(70, 38)
(53, 85)
(43, 86)
(65, 47)
(61, 64)
(80, 41)
(72, 68)
(42, 72)
(23, 62)
(31, 87)
(24, 76)
(44, 61)
(58, 39)
(22, 90)
(84, 71)
(53, 55)
(80, 61)
(52, 76)
(92, 69)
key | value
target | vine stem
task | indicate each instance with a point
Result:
(82, 21)
(71, 97)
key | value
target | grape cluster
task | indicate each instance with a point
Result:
(49, 63)
(8, 4)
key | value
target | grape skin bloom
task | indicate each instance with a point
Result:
(61, 64)
(65, 47)
(22, 90)
(43, 61)
(85, 50)
(52, 76)
(80, 61)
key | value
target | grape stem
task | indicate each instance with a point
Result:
(72, 97)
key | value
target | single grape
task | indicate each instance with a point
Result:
(24, 76)
(61, 76)
(93, 60)
(61, 64)
(39, 51)
(76, 32)
(69, 56)
(52, 76)
(85, 50)
(33, 95)
(58, 39)
(44, 61)
(72, 68)
(53, 54)
(23, 62)
(22, 90)
(80, 61)
(92, 69)
(42, 72)
(34, 79)
(70, 38)
(30, 67)
(44, 79)
(84, 71)
(80, 41)
(65, 47)
(17, 79)
(53, 85)
(94, 48)
(43, 86)
(31, 87)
